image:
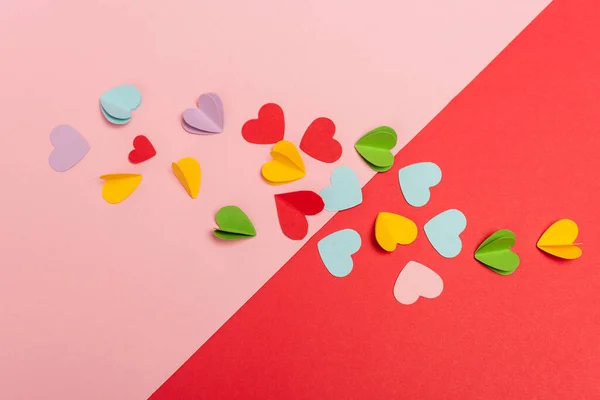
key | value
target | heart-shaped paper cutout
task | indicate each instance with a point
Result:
(69, 148)
(188, 172)
(416, 280)
(318, 141)
(443, 232)
(233, 224)
(336, 251)
(142, 150)
(292, 209)
(345, 191)
(118, 187)
(375, 148)
(207, 118)
(118, 103)
(495, 252)
(416, 180)
(558, 240)
(268, 128)
(392, 229)
(286, 165)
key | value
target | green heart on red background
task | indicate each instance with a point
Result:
(375, 148)
(495, 252)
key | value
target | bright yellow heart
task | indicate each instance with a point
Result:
(286, 165)
(118, 187)
(187, 170)
(392, 229)
(558, 240)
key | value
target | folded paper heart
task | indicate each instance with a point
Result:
(292, 209)
(392, 229)
(69, 148)
(188, 172)
(118, 103)
(416, 280)
(207, 118)
(142, 150)
(495, 252)
(118, 187)
(318, 141)
(443, 232)
(345, 191)
(375, 148)
(416, 180)
(268, 128)
(336, 251)
(286, 165)
(233, 224)
(558, 240)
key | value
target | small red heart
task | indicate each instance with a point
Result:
(268, 128)
(318, 141)
(142, 150)
(292, 209)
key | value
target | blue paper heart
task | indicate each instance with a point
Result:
(336, 251)
(118, 103)
(344, 192)
(416, 180)
(443, 232)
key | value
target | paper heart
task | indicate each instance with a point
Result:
(345, 191)
(286, 165)
(142, 150)
(375, 148)
(118, 187)
(292, 209)
(188, 172)
(207, 118)
(416, 280)
(416, 180)
(268, 128)
(495, 252)
(69, 148)
(118, 103)
(233, 224)
(318, 141)
(558, 240)
(443, 232)
(336, 251)
(392, 229)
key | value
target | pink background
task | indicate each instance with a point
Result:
(103, 301)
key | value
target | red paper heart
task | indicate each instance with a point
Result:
(318, 141)
(142, 150)
(292, 209)
(268, 128)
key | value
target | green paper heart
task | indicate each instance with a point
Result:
(495, 252)
(374, 147)
(233, 224)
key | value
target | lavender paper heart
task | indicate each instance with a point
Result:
(207, 118)
(69, 148)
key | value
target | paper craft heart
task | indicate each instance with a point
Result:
(336, 251)
(374, 147)
(286, 165)
(292, 209)
(558, 240)
(416, 180)
(392, 229)
(416, 280)
(345, 191)
(233, 224)
(188, 172)
(268, 128)
(443, 232)
(142, 150)
(118, 187)
(118, 103)
(495, 252)
(69, 148)
(207, 118)
(318, 141)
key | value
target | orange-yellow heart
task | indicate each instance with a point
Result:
(118, 187)
(188, 171)
(392, 229)
(558, 240)
(286, 165)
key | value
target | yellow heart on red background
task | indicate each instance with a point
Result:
(286, 165)
(392, 229)
(558, 240)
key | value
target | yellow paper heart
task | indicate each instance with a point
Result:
(558, 240)
(286, 165)
(118, 187)
(392, 229)
(187, 170)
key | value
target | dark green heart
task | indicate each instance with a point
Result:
(495, 252)
(233, 224)
(374, 147)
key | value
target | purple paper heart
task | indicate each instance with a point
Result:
(69, 148)
(207, 118)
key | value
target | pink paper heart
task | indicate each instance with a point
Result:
(207, 118)
(417, 280)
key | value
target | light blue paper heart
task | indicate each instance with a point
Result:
(416, 180)
(118, 103)
(336, 251)
(443, 232)
(344, 192)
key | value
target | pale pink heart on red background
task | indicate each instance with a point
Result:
(416, 280)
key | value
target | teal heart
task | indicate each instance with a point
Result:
(416, 180)
(345, 191)
(118, 103)
(443, 232)
(336, 251)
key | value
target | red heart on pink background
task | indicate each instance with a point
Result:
(142, 150)
(268, 128)
(292, 209)
(318, 141)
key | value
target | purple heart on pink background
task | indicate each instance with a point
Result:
(69, 148)
(207, 118)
